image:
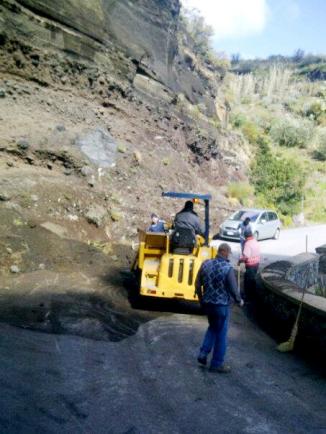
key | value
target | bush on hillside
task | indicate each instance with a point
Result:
(251, 131)
(201, 37)
(199, 31)
(291, 132)
(241, 191)
(279, 181)
(320, 145)
(238, 119)
(315, 110)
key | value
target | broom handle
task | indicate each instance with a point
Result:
(239, 277)
(295, 326)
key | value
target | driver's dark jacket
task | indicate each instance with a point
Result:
(188, 220)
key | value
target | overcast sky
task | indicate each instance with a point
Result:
(259, 28)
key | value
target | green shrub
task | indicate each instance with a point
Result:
(279, 181)
(291, 132)
(286, 220)
(218, 61)
(238, 119)
(246, 100)
(315, 110)
(320, 145)
(264, 122)
(250, 131)
(241, 191)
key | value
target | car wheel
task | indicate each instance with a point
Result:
(277, 234)
(256, 235)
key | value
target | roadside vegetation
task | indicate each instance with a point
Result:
(281, 112)
(278, 105)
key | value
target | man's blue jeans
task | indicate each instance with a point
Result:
(216, 334)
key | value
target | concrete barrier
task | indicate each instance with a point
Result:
(304, 270)
(279, 293)
(322, 270)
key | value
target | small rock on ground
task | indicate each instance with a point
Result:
(4, 197)
(23, 144)
(96, 215)
(14, 269)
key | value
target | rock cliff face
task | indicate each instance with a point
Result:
(127, 38)
(70, 69)
(144, 30)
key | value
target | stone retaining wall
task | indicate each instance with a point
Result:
(279, 294)
(321, 286)
(304, 270)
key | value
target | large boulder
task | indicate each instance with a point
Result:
(99, 146)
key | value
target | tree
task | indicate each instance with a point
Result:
(278, 181)
(235, 58)
(298, 55)
(201, 35)
(200, 32)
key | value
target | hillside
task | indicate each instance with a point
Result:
(61, 83)
(278, 104)
(103, 108)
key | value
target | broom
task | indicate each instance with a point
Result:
(239, 277)
(284, 347)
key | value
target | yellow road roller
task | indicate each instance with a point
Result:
(167, 272)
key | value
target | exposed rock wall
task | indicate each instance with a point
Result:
(134, 48)
(143, 29)
(125, 37)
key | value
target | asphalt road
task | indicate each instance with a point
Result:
(290, 243)
(149, 382)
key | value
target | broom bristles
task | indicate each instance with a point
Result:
(284, 347)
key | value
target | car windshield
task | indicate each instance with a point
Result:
(242, 214)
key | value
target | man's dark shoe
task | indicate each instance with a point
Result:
(202, 360)
(223, 369)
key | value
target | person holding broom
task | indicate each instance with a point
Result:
(251, 258)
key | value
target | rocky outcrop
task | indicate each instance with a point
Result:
(144, 30)
(136, 50)
(130, 39)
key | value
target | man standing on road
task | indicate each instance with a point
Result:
(251, 258)
(215, 285)
(243, 227)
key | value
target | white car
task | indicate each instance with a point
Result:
(264, 224)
